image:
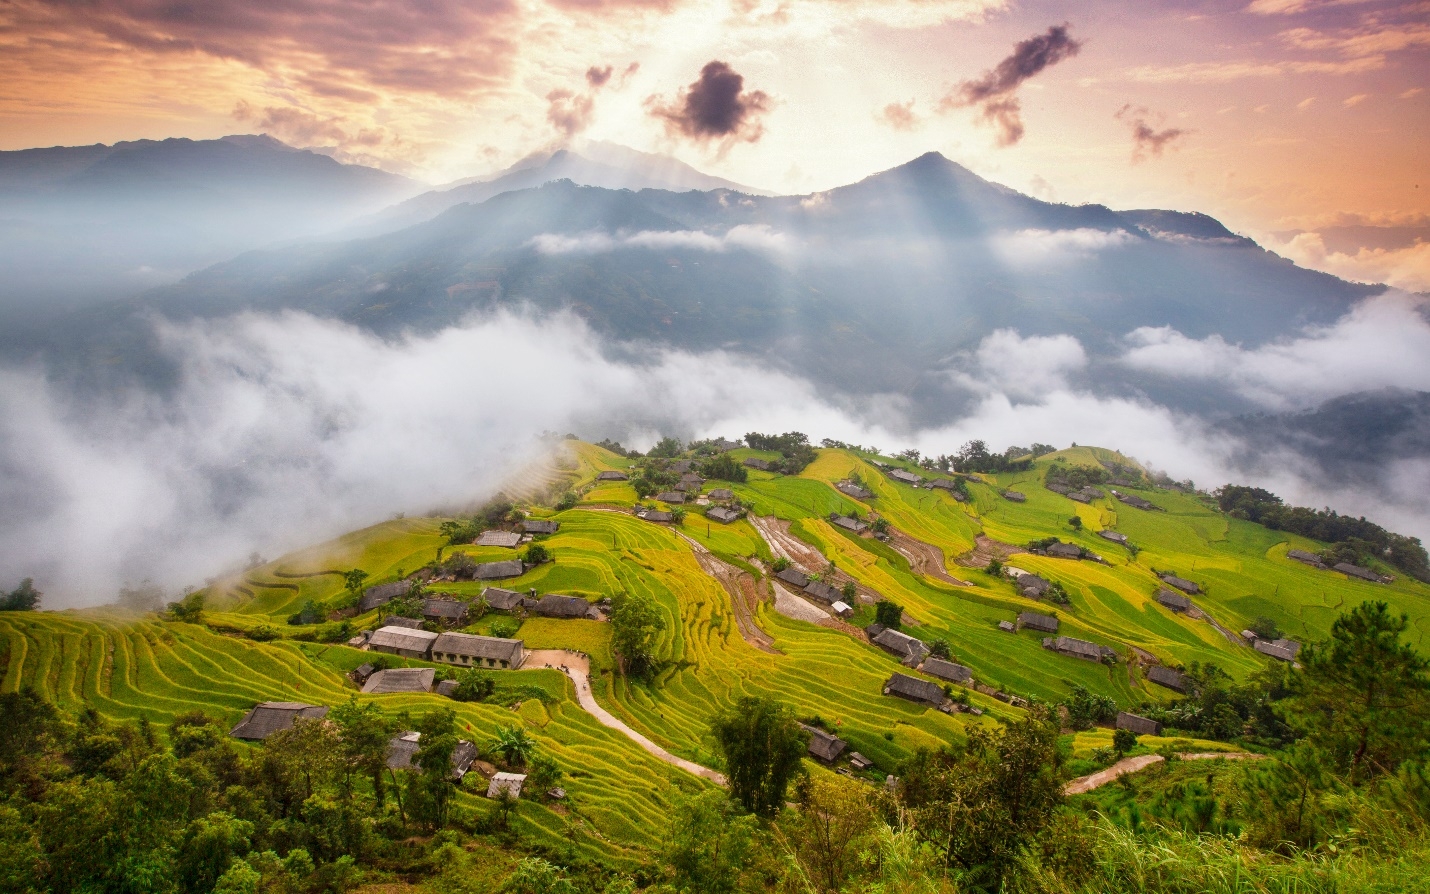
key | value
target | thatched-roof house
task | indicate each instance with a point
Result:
(400, 679)
(671, 496)
(859, 761)
(1133, 500)
(794, 577)
(1300, 555)
(722, 515)
(467, 650)
(400, 621)
(501, 600)
(1078, 648)
(508, 539)
(850, 489)
(947, 484)
(382, 594)
(656, 515)
(1035, 621)
(540, 526)
(757, 463)
(849, 524)
(499, 570)
(553, 605)
(1358, 572)
(1007, 626)
(907, 649)
(402, 641)
(904, 476)
(1014, 496)
(824, 747)
(1165, 676)
(818, 589)
(915, 690)
(690, 484)
(445, 611)
(267, 718)
(447, 688)
(1114, 536)
(1181, 583)
(722, 494)
(403, 748)
(612, 475)
(1064, 551)
(1030, 585)
(681, 466)
(1274, 650)
(1139, 725)
(1175, 601)
(946, 670)
(362, 672)
(510, 783)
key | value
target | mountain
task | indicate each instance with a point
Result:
(89, 223)
(600, 164)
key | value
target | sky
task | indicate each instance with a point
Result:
(1273, 115)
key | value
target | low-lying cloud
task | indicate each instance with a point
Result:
(1048, 246)
(753, 237)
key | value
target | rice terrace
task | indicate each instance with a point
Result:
(909, 627)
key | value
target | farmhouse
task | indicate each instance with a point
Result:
(1078, 648)
(381, 594)
(903, 476)
(823, 746)
(1080, 496)
(509, 539)
(1356, 571)
(1114, 536)
(501, 600)
(914, 689)
(1300, 555)
(361, 673)
(445, 611)
(859, 761)
(850, 489)
(722, 515)
(1133, 500)
(1035, 621)
(1175, 601)
(499, 570)
(757, 463)
(554, 606)
(656, 515)
(849, 524)
(402, 641)
(1165, 676)
(794, 577)
(681, 466)
(446, 688)
(1014, 496)
(1064, 551)
(478, 651)
(724, 444)
(268, 718)
(540, 526)
(1139, 725)
(908, 650)
(841, 609)
(1181, 583)
(1274, 649)
(690, 484)
(1007, 626)
(671, 496)
(944, 484)
(946, 670)
(1030, 585)
(722, 494)
(400, 679)
(818, 589)
(510, 783)
(399, 621)
(403, 748)
(612, 475)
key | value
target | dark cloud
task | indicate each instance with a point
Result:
(597, 77)
(715, 107)
(1146, 139)
(570, 113)
(899, 115)
(995, 92)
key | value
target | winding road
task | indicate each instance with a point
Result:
(1132, 764)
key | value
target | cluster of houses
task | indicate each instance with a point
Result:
(1346, 568)
(1028, 584)
(1083, 495)
(1063, 645)
(827, 748)
(817, 590)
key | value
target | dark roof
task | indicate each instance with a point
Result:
(658, 515)
(901, 644)
(362, 672)
(509, 539)
(1064, 551)
(1165, 676)
(499, 570)
(1350, 570)
(1174, 601)
(852, 524)
(755, 462)
(1139, 725)
(484, 647)
(946, 670)
(1133, 500)
(400, 679)
(1269, 647)
(1079, 496)
(1006, 626)
(794, 577)
(612, 475)
(1035, 621)
(381, 594)
(904, 476)
(407, 640)
(914, 689)
(1181, 583)
(824, 746)
(722, 515)
(944, 483)
(403, 748)
(400, 621)
(553, 605)
(1114, 536)
(722, 493)
(540, 526)
(851, 489)
(1300, 555)
(500, 599)
(446, 687)
(1031, 582)
(681, 466)
(1079, 648)
(268, 718)
(671, 496)
(1289, 644)
(822, 591)
(446, 609)
(1014, 496)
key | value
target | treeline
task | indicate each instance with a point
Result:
(1352, 538)
(975, 456)
(793, 446)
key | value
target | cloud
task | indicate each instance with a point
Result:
(899, 116)
(1403, 267)
(1052, 246)
(1007, 363)
(569, 113)
(1412, 93)
(754, 237)
(716, 107)
(1382, 342)
(1351, 101)
(995, 92)
(1223, 72)
(1146, 139)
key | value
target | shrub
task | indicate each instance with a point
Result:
(889, 614)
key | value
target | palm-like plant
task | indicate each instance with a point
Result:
(513, 744)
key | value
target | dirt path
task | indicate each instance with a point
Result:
(985, 550)
(1133, 764)
(925, 558)
(578, 668)
(776, 533)
(743, 595)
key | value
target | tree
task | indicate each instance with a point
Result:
(890, 614)
(1076, 522)
(147, 597)
(849, 591)
(1265, 627)
(707, 844)
(514, 745)
(880, 525)
(667, 448)
(1123, 741)
(635, 621)
(835, 818)
(779, 564)
(209, 845)
(725, 468)
(1085, 709)
(435, 747)
(995, 567)
(543, 774)
(534, 875)
(677, 515)
(353, 581)
(24, 598)
(762, 745)
(939, 648)
(1364, 696)
(189, 610)
(537, 554)
(365, 735)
